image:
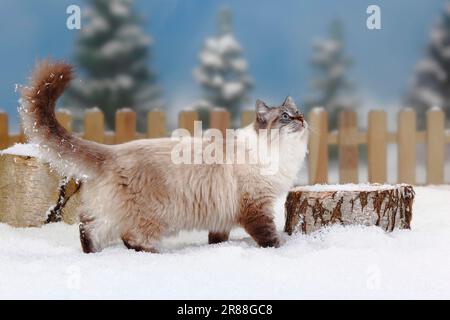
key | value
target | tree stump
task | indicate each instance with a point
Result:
(30, 193)
(308, 208)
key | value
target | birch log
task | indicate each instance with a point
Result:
(309, 208)
(30, 192)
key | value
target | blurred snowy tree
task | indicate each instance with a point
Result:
(223, 71)
(331, 88)
(431, 84)
(113, 54)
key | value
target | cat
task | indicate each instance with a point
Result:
(133, 192)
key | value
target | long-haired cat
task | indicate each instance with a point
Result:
(135, 193)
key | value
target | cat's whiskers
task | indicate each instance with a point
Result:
(311, 129)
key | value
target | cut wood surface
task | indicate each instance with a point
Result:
(308, 208)
(29, 191)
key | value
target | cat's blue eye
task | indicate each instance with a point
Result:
(285, 116)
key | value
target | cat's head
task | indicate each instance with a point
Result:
(286, 117)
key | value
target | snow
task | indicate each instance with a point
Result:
(113, 48)
(330, 86)
(223, 45)
(211, 59)
(325, 50)
(435, 108)
(431, 66)
(432, 72)
(219, 109)
(120, 81)
(239, 65)
(346, 187)
(429, 95)
(200, 75)
(119, 9)
(222, 69)
(318, 110)
(124, 81)
(64, 111)
(126, 109)
(23, 149)
(217, 80)
(328, 46)
(96, 25)
(133, 32)
(92, 110)
(232, 89)
(338, 262)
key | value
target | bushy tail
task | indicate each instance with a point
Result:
(68, 154)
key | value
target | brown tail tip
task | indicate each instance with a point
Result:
(48, 81)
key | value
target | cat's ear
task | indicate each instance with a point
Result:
(289, 102)
(262, 111)
(261, 106)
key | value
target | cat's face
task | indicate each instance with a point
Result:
(286, 117)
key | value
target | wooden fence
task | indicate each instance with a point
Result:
(347, 138)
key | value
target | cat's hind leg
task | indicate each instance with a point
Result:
(87, 243)
(218, 237)
(142, 235)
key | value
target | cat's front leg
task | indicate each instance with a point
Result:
(87, 233)
(257, 220)
(138, 247)
(95, 234)
(142, 234)
(218, 237)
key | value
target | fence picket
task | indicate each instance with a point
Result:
(347, 138)
(156, 124)
(435, 140)
(64, 118)
(318, 146)
(406, 146)
(220, 119)
(186, 120)
(348, 147)
(377, 146)
(4, 138)
(94, 125)
(109, 137)
(125, 125)
(247, 117)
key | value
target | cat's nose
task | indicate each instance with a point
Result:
(300, 118)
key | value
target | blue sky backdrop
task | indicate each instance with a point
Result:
(276, 37)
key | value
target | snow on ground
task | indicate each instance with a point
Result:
(23, 149)
(339, 262)
(351, 187)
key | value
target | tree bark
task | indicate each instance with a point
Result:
(32, 195)
(387, 206)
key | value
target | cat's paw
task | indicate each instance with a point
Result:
(217, 237)
(270, 242)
